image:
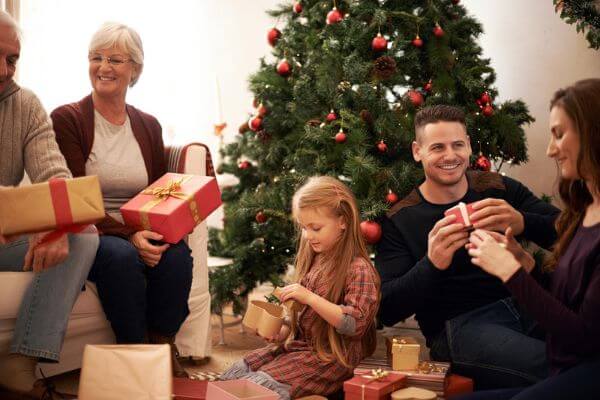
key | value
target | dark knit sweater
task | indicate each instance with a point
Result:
(410, 284)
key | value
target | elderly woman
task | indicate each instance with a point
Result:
(570, 311)
(143, 283)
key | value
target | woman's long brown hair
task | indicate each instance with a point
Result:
(581, 102)
(330, 195)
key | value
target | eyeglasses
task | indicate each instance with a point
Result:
(115, 59)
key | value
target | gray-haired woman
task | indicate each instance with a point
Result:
(143, 284)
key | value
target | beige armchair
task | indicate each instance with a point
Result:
(88, 323)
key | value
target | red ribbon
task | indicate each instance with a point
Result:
(62, 212)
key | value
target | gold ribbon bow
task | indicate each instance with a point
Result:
(428, 368)
(171, 190)
(376, 375)
(161, 193)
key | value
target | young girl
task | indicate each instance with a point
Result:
(570, 313)
(340, 290)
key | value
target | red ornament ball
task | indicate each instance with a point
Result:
(262, 110)
(273, 36)
(333, 16)
(428, 86)
(331, 116)
(340, 137)
(297, 7)
(284, 68)
(255, 123)
(438, 31)
(379, 43)
(244, 165)
(260, 217)
(488, 110)
(485, 98)
(482, 163)
(382, 147)
(371, 231)
(417, 42)
(391, 197)
(416, 98)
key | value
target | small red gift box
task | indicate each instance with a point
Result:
(173, 205)
(189, 389)
(375, 386)
(463, 213)
(457, 384)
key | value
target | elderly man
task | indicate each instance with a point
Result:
(27, 144)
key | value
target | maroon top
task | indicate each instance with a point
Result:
(74, 127)
(570, 313)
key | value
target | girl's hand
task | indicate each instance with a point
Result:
(296, 292)
(493, 258)
(280, 337)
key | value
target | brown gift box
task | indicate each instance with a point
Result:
(403, 353)
(56, 204)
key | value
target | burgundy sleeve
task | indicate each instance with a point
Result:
(69, 139)
(576, 330)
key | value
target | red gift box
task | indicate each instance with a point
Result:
(457, 384)
(463, 213)
(173, 205)
(189, 389)
(373, 386)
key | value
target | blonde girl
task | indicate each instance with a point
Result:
(339, 288)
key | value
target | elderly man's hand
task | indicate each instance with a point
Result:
(46, 255)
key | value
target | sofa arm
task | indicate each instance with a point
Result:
(194, 339)
(193, 158)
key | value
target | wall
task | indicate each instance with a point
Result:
(534, 52)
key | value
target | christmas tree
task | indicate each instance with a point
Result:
(339, 98)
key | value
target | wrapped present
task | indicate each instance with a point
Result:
(115, 372)
(457, 384)
(403, 353)
(462, 212)
(239, 389)
(189, 389)
(414, 393)
(173, 205)
(430, 375)
(377, 385)
(59, 204)
(264, 318)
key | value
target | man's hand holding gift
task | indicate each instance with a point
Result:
(496, 215)
(41, 256)
(445, 238)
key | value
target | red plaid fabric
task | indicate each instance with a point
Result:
(298, 365)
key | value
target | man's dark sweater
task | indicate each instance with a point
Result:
(410, 284)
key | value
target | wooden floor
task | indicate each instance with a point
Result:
(238, 342)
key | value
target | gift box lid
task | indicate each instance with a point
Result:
(368, 385)
(241, 389)
(189, 389)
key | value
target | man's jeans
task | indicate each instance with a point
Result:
(493, 345)
(45, 307)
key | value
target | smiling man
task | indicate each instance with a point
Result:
(465, 314)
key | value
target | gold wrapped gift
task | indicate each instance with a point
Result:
(403, 353)
(57, 204)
